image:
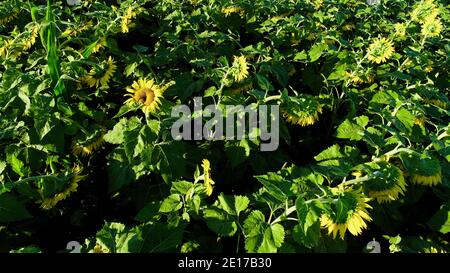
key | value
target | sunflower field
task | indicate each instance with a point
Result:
(87, 88)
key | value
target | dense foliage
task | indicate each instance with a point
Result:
(86, 152)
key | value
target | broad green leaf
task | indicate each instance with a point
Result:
(441, 220)
(171, 203)
(11, 209)
(261, 237)
(220, 221)
(233, 204)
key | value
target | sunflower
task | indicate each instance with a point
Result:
(354, 78)
(4, 49)
(232, 9)
(243, 88)
(388, 184)
(436, 102)
(424, 10)
(427, 180)
(423, 169)
(302, 110)
(79, 28)
(348, 27)
(353, 219)
(49, 203)
(147, 93)
(6, 15)
(86, 147)
(101, 43)
(380, 50)
(400, 30)
(240, 68)
(127, 18)
(431, 28)
(208, 182)
(30, 40)
(101, 74)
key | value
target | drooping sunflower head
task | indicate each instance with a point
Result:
(101, 74)
(127, 19)
(243, 87)
(208, 182)
(424, 169)
(353, 77)
(71, 187)
(78, 28)
(348, 212)
(232, 10)
(8, 11)
(29, 38)
(302, 110)
(423, 10)
(380, 50)
(147, 93)
(240, 68)
(387, 181)
(431, 27)
(5, 47)
(101, 43)
(400, 30)
(86, 145)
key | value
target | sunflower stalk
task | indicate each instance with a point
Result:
(50, 42)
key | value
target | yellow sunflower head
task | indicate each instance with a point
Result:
(244, 87)
(101, 43)
(400, 30)
(147, 93)
(240, 68)
(30, 37)
(380, 50)
(353, 77)
(348, 212)
(85, 147)
(127, 18)
(101, 74)
(208, 182)
(387, 181)
(423, 10)
(302, 110)
(8, 11)
(232, 9)
(72, 187)
(5, 47)
(424, 170)
(431, 27)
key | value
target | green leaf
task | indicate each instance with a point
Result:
(300, 56)
(171, 203)
(115, 136)
(11, 209)
(273, 239)
(441, 220)
(233, 204)
(149, 212)
(120, 172)
(219, 221)
(260, 236)
(316, 51)
(115, 237)
(350, 130)
(158, 238)
(276, 185)
(237, 151)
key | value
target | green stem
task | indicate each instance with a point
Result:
(271, 98)
(35, 178)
